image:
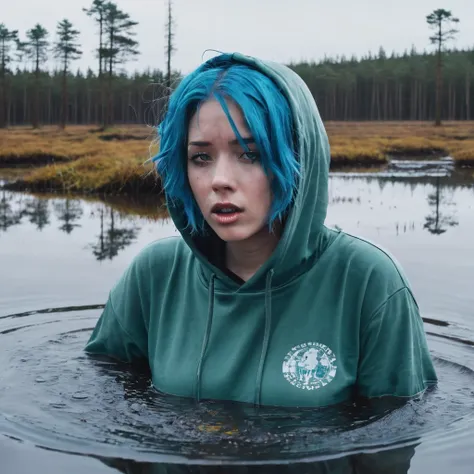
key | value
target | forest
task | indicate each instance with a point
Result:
(376, 86)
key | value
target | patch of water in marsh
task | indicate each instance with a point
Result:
(64, 252)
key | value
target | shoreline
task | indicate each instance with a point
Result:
(85, 160)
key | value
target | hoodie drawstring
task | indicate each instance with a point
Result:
(206, 337)
(266, 336)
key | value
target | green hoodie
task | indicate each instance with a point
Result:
(328, 317)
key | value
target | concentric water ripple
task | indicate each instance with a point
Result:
(53, 394)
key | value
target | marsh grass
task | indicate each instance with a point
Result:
(408, 139)
(81, 160)
(87, 160)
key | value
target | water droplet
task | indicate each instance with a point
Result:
(80, 396)
(58, 405)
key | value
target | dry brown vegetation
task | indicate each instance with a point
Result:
(410, 139)
(83, 159)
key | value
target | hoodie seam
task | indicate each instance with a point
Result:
(383, 304)
(402, 277)
(126, 332)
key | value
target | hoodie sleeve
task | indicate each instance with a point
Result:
(394, 357)
(121, 331)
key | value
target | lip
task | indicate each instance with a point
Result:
(228, 218)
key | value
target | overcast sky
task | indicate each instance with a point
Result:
(282, 30)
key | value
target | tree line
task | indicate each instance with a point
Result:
(37, 102)
(409, 86)
(395, 87)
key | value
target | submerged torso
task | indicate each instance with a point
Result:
(297, 344)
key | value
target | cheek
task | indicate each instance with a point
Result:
(199, 186)
(263, 192)
(193, 180)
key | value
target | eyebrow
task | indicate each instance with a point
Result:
(235, 141)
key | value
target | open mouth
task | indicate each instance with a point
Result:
(225, 208)
(226, 213)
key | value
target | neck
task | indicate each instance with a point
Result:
(245, 257)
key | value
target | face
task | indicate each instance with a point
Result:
(229, 183)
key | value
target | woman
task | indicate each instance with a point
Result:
(258, 301)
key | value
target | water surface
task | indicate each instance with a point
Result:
(62, 255)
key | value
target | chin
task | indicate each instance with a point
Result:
(236, 233)
(233, 235)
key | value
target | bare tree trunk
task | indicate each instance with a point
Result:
(170, 45)
(36, 104)
(9, 108)
(372, 108)
(2, 99)
(468, 96)
(400, 101)
(11, 118)
(50, 119)
(83, 118)
(76, 109)
(25, 102)
(64, 97)
(88, 109)
(124, 107)
(438, 88)
(108, 113)
(423, 104)
(453, 115)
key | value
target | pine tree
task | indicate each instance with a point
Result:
(98, 11)
(441, 21)
(67, 50)
(170, 47)
(37, 49)
(7, 39)
(119, 47)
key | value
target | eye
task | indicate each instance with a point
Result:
(200, 158)
(250, 156)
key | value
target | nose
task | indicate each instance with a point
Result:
(224, 175)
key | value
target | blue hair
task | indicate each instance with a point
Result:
(268, 117)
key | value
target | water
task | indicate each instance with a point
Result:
(92, 415)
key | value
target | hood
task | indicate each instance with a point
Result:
(304, 237)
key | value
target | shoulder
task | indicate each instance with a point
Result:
(162, 254)
(370, 259)
(369, 271)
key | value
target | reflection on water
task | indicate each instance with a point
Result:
(116, 229)
(112, 239)
(401, 196)
(9, 213)
(68, 211)
(443, 210)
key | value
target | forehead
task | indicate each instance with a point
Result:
(211, 122)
